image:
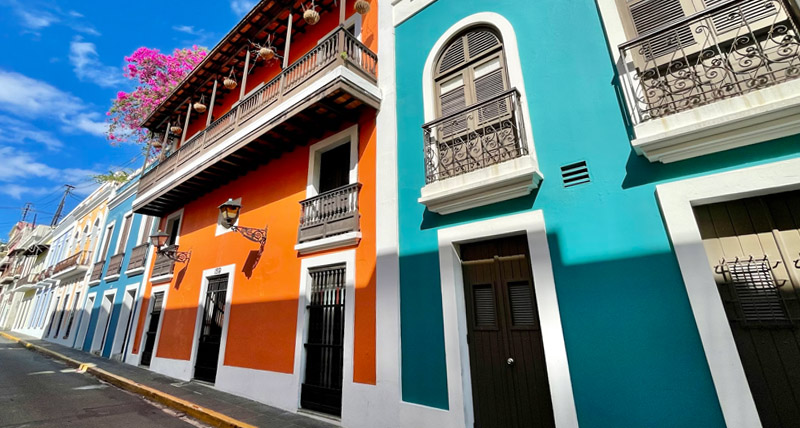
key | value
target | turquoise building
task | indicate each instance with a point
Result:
(598, 212)
(115, 281)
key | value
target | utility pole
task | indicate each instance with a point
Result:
(61, 205)
(25, 210)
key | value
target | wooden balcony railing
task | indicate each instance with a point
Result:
(97, 271)
(340, 48)
(724, 51)
(163, 266)
(475, 137)
(71, 261)
(138, 257)
(115, 264)
(330, 213)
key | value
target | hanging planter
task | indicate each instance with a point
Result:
(176, 129)
(157, 143)
(310, 15)
(229, 82)
(199, 106)
(266, 53)
(362, 7)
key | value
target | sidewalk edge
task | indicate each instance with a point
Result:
(198, 412)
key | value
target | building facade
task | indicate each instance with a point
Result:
(597, 212)
(24, 261)
(117, 276)
(278, 305)
(72, 260)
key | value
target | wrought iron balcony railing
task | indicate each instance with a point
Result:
(115, 264)
(340, 48)
(475, 137)
(97, 271)
(138, 257)
(329, 214)
(724, 51)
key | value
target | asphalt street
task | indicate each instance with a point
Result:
(36, 391)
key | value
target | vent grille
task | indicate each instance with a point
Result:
(521, 298)
(575, 174)
(485, 312)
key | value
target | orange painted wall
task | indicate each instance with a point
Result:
(262, 326)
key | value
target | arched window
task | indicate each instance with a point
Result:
(470, 70)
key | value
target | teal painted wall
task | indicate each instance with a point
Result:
(634, 352)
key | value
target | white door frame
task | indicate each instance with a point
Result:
(348, 259)
(122, 321)
(164, 288)
(676, 200)
(230, 270)
(459, 381)
(94, 347)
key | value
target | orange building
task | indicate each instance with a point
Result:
(279, 118)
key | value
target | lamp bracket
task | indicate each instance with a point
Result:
(256, 235)
(171, 252)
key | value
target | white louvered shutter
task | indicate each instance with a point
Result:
(751, 11)
(453, 98)
(648, 15)
(489, 82)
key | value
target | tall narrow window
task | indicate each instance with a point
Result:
(126, 229)
(107, 243)
(475, 124)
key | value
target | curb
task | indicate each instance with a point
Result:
(198, 412)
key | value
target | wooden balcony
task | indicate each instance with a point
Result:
(97, 272)
(75, 264)
(164, 266)
(329, 214)
(330, 85)
(115, 265)
(138, 257)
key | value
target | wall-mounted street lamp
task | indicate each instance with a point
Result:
(159, 240)
(230, 213)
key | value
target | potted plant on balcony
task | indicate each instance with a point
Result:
(361, 6)
(310, 15)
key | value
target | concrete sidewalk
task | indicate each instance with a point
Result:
(203, 402)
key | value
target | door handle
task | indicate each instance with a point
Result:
(510, 361)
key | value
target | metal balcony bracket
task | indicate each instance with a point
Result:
(255, 235)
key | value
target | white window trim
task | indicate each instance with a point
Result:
(142, 235)
(230, 270)
(179, 215)
(504, 181)
(106, 238)
(751, 118)
(459, 381)
(349, 387)
(405, 9)
(676, 201)
(121, 245)
(317, 149)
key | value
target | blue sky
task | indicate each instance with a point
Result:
(61, 65)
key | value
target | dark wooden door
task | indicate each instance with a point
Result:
(152, 329)
(205, 367)
(322, 386)
(334, 168)
(753, 246)
(509, 376)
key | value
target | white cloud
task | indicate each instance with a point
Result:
(29, 98)
(36, 15)
(19, 166)
(88, 67)
(199, 35)
(241, 7)
(188, 29)
(19, 132)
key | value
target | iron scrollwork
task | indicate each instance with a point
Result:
(171, 252)
(721, 52)
(479, 136)
(253, 234)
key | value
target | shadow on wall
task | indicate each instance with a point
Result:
(641, 172)
(432, 220)
(634, 351)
